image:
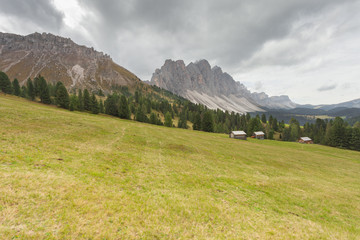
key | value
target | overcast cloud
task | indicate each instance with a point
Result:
(279, 46)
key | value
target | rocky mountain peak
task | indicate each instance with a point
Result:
(60, 59)
(212, 87)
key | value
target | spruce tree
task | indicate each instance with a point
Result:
(87, 100)
(30, 89)
(5, 83)
(153, 118)
(73, 103)
(101, 106)
(23, 93)
(94, 104)
(37, 86)
(208, 122)
(44, 91)
(263, 118)
(271, 120)
(80, 103)
(16, 87)
(62, 96)
(168, 120)
(124, 111)
(111, 105)
(197, 122)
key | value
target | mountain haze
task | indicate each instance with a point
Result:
(201, 83)
(60, 59)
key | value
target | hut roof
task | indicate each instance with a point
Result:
(238, 132)
(259, 133)
(305, 139)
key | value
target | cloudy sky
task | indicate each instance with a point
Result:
(307, 49)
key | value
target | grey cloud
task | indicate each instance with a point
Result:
(258, 85)
(41, 13)
(224, 32)
(327, 87)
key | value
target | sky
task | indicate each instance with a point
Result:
(306, 49)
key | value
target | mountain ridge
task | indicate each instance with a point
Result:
(201, 83)
(60, 59)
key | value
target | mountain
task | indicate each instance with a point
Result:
(60, 59)
(201, 83)
(349, 104)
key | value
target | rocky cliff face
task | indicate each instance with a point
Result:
(60, 59)
(212, 87)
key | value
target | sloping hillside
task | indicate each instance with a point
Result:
(71, 175)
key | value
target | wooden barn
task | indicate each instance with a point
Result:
(306, 140)
(259, 135)
(238, 135)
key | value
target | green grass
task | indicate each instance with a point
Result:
(71, 175)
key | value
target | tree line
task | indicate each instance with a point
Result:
(162, 107)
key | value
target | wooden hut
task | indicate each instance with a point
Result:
(306, 140)
(238, 135)
(259, 135)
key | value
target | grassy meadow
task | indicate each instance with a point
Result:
(72, 175)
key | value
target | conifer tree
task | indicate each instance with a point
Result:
(101, 106)
(208, 122)
(80, 103)
(23, 91)
(111, 105)
(5, 83)
(44, 90)
(182, 120)
(168, 120)
(30, 89)
(62, 96)
(263, 118)
(94, 104)
(153, 118)
(87, 100)
(16, 87)
(197, 122)
(124, 111)
(271, 120)
(37, 86)
(73, 103)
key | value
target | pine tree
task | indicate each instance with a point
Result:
(124, 111)
(62, 96)
(208, 122)
(44, 90)
(73, 103)
(30, 89)
(271, 120)
(101, 106)
(23, 93)
(168, 120)
(182, 120)
(80, 103)
(111, 105)
(87, 100)
(263, 118)
(16, 87)
(140, 114)
(274, 124)
(197, 122)
(37, 86)
(5, 83)
(94, 104)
